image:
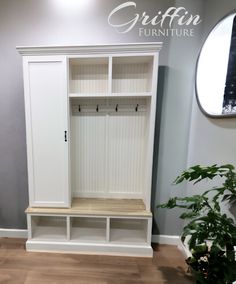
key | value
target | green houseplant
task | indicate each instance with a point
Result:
(211, 233)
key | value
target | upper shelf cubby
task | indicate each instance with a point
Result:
(132, 74)
(111, 76)
(88, 75)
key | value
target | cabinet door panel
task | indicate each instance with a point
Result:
(46, 114)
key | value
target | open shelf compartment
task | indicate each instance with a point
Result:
(132, 74)
(132, 231)
(88, 75)
(49, 228)
(88, 229)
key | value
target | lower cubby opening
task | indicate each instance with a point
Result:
(128, 230)
(49, 228)
(108, 222)
(88, 229)
(102, 234)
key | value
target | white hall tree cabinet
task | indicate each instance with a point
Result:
(90, 119)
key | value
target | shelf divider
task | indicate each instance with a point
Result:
(110, 76)
(108, 230)
(68, 227)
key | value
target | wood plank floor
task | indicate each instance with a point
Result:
(21, 267)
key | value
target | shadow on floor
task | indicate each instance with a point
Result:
(177, 275)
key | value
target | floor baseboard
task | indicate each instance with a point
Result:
(13, 233)
(166, 240)
(172, 240)
(161, 239)
(184, 249)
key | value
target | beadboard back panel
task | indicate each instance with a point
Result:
(108, 147)
(89, 75)
(88, 151)
(126, 153)
(132, 74)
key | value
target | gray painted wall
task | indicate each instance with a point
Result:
(175, 122)
(212, 141)
(47, 22)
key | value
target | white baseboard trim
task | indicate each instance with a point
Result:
(13, 233)
(172, 240)
(90, 248)
(166, 240)
(161, 239)
(184, 249)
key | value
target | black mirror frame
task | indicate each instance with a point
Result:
(230, 115)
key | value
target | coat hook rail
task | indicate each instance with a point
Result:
(109, 108)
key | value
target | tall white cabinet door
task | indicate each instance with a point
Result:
(47, 125)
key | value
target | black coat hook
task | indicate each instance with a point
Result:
(97, 108)
(79, 109)
(136, 109)
(116, 107)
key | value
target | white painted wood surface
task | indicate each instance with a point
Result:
(90, 248)
(105, 98)
(89, 75)
(88, 229)
(117, 235)
(49, 227)
(46, 123)
(131, 74)
(128, 230)
(122, 229)
(91, 50)
(108, 147)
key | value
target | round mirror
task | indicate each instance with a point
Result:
(216, 70)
